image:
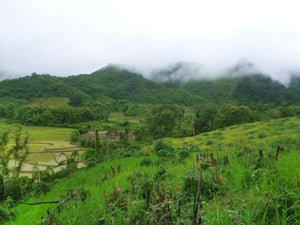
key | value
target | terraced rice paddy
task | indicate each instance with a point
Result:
(46, 145)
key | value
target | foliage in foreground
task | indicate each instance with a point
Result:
(250, 182)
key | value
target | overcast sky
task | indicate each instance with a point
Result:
(67, 37)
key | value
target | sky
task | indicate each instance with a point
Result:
(69, 37)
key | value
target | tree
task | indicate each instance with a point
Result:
(10, 183)
(205, 119)
(2, 111)
(76, 99)
(20, 150)
(110, 134)
(72, 162)
(233, 114)
(4, 155)
(140, 133)
(10, 111)
(162, 119)
(125, 134)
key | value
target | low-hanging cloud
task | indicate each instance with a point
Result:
(72, 37)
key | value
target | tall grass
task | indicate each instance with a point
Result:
(250, 189)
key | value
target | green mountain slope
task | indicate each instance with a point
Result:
(245, 89)
(120, 84)
(260, 88)
(37, 86)
(115, 83)
(217, 91)
(107, 83)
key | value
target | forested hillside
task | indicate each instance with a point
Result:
(120, 84)
(247, 90)
(36, 86)
(115, 83)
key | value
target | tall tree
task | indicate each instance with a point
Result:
(162, 119)
(20, 150)
(205, 119)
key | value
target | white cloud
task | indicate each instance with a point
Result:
(64, 37)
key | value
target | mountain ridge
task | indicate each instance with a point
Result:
(118, 83)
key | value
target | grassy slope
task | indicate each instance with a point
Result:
(261, 135)
(239, 203)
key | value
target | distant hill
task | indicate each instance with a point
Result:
(242, 83)
(114, 83)
(261, 88)
(295, 82)
(37, 86)
(107, 83)
(120, 84)
(216, 91)
(244, 89)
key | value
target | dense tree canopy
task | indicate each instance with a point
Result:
(209, 117)
(205, 119)
(163, 119)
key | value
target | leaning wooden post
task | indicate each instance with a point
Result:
(197, 198)
(104, 194)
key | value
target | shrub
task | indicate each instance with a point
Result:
(209, 186)
(74, 136)
(146, 162)
(183, 153)
(13, 189)
(6, 213)
(91, 157)
(40, 188)
(131, 150)
(83, 130)
(164, 150)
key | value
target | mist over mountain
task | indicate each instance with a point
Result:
(2, 75)
(295, 82)
(178, 73)
(244, 67)
(181, 83)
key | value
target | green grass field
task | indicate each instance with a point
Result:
(249, 190)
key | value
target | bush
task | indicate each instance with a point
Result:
(91, 157)
(40, 188)
(183, 153)
(13, 189)
(164, 150)
(74, 136)
(209, 186)
(83, 130)
(146, 162)
(6, 213)
(131, 150)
